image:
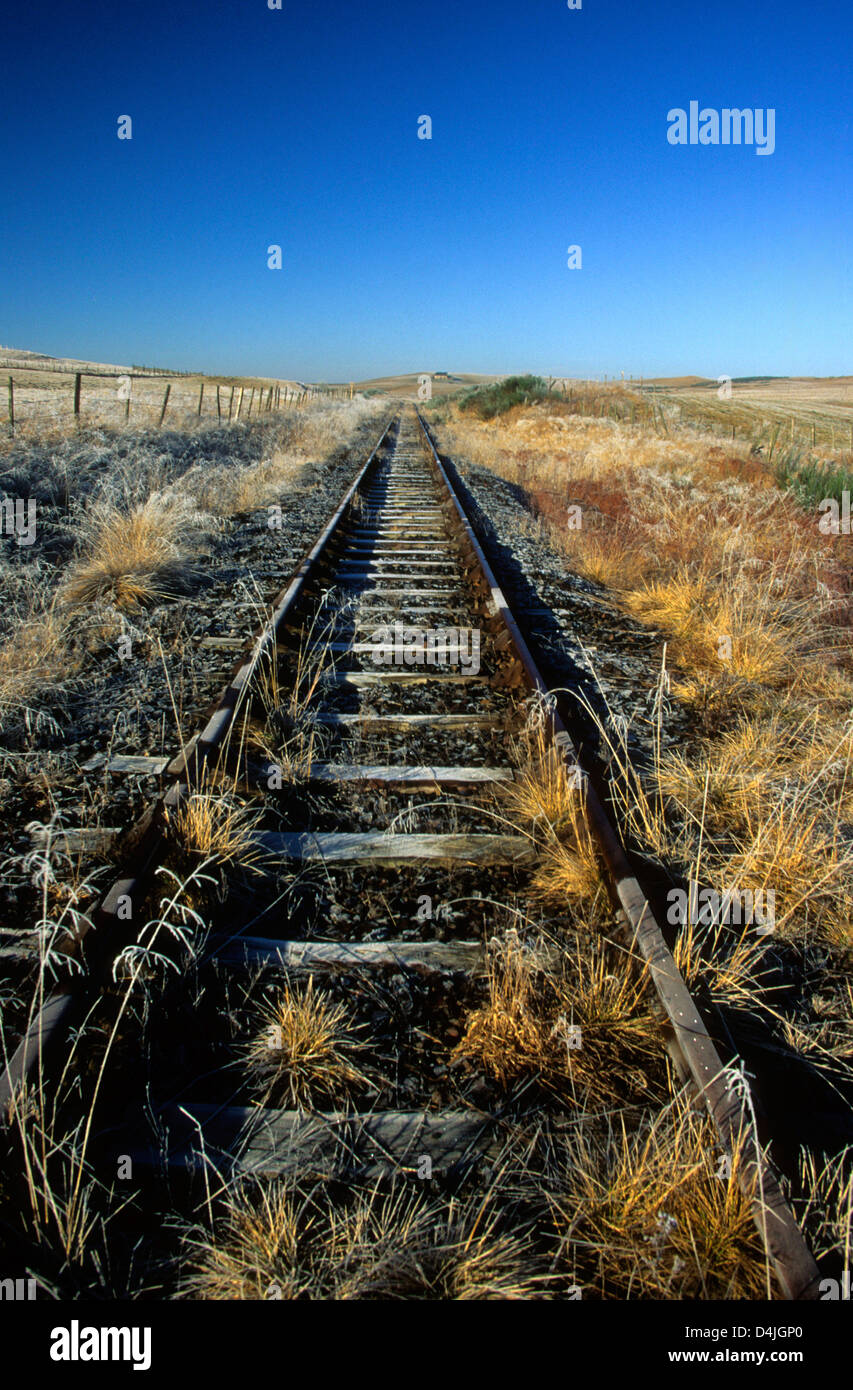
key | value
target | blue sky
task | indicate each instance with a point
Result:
(298, 127)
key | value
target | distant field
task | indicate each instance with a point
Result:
(406, 386)
(812, 410)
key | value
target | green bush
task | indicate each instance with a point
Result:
(809, 480)
(488, 401)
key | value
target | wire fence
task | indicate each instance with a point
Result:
(39, 396)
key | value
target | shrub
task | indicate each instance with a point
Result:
(489, 401)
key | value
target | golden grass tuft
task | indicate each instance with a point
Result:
(544, 802)
(135, 556)
(579, 1025)
(644, 1214)
(791, 849)
(284, 1241)
(570, 873)
(218, 829)
(307, 1045)
(605, 559)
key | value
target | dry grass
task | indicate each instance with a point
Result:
(232, 492)
(724, 776)
(290, 737)
(55, 1199)
(285, 1242)
(791, 849)
(544, 802)
(644, 1214)
(720, 965)
(307, 1046)
(34, 657)
(606, 560)
(570, 873)
(216, 828)
(771, 796)
(728, 623)
(579, 1024)
(828, 1211)
(136, 555)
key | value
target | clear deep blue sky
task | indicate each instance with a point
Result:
(299, 127)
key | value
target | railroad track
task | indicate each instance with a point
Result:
(394, 673)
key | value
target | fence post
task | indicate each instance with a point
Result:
(251, 398)
(200, 397)
(11, 405)
(77, 381)
(230, 404)
(218, 404)
(165, 403)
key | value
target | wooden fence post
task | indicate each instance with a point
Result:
(251, 398)
(165, 403)
(218, 404)
(230, 404)
(11, 405)
(77, 382)
(200, 397)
